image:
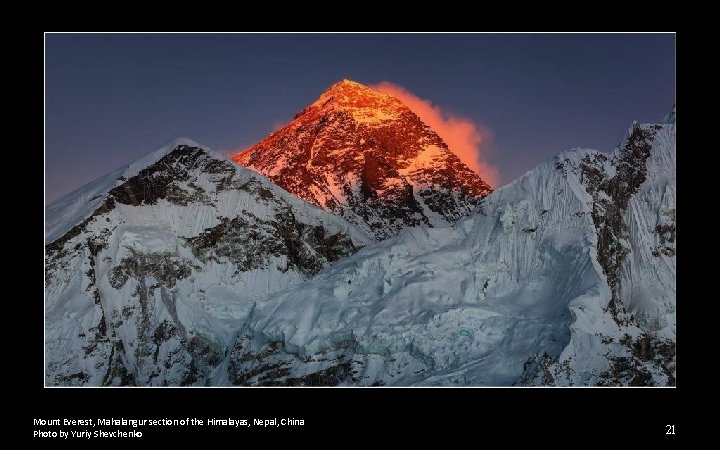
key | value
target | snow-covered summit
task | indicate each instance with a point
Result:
(366, 105)
(68, 211)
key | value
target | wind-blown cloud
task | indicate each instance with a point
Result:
(468, 140)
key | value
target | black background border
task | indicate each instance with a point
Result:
(541, 415)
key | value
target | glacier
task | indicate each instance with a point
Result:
(563, 277)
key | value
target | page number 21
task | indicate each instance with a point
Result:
(670, 429)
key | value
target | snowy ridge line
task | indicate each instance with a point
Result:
(73, 208)
(80, 204)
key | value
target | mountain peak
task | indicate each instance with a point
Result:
(368, 158)
(346, 85)
(350, 83)
(365, 104)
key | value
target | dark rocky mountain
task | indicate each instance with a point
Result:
(150, 284)
(369, 159)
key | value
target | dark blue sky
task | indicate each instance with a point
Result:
(112, 98)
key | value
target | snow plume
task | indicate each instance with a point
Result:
(464, 138)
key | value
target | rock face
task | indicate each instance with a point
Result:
(631, 201)
(367, 158)
(152, 285)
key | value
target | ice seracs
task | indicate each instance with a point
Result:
(564, 277)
